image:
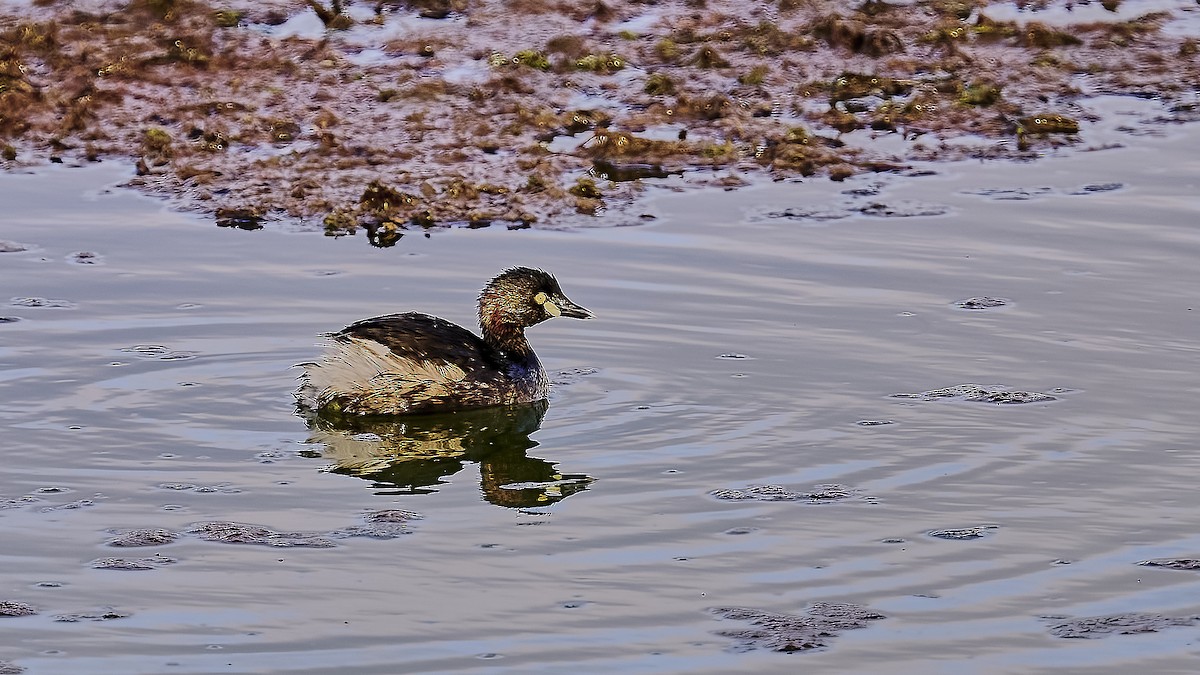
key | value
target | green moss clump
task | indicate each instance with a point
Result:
(708, 57)
(339, 222)
(583, 120)
(600, 63)
(156, 140)
(606, 144)
(8, 152)
(949, 34)
(755, 77)
(586, 187)
(768, 39)
(1048, 124)
(1037, 34)
(180, 52)
(987, 28)
(283, 131)
(228, 18)
(628, 35)
(979, 94)
(334, 16)
(531, 58)
(658, 84)
(854, 85)
(1188, 47)
(667, 50)
(382, 206)
(858, 37)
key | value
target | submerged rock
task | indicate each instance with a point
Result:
(814, 629)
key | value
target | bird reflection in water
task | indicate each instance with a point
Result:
(415, 453)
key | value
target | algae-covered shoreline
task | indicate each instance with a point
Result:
(397, 115)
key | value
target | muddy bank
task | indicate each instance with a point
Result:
(395, 115)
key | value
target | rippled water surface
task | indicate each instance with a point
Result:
(740, 443)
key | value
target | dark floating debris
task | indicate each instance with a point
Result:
(822, 622)
(249, 219)
(963, 533)
(900, 209)
(70, 506)
(242, 533)
(829, 492)
(874, 423)
(224, 488)
(903, 209)
(570, 376)
(9, 319)
(732, 356)
(43, 302)
(1093, 188)
(17, 502)
(12, 246)
(106, 614)
(1116, 624)
(386, 524)
(7, 668)
(85, 258)
(158, 353)
(1173, 563)
(13, 608)
(1012, 194)
(622, 172)
(132, 564)
(144, 537)
(979, 394)
(815, 214)
(982, 302)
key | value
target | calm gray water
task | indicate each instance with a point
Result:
(742, 339)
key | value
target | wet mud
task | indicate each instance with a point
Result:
(415, 119)
(1132, 623)
(815, 629)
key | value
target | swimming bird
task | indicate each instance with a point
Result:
(409, 363)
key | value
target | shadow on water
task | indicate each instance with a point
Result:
(413, 454)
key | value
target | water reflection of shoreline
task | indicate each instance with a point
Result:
(412, 455)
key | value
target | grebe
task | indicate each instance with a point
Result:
(408, 363)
